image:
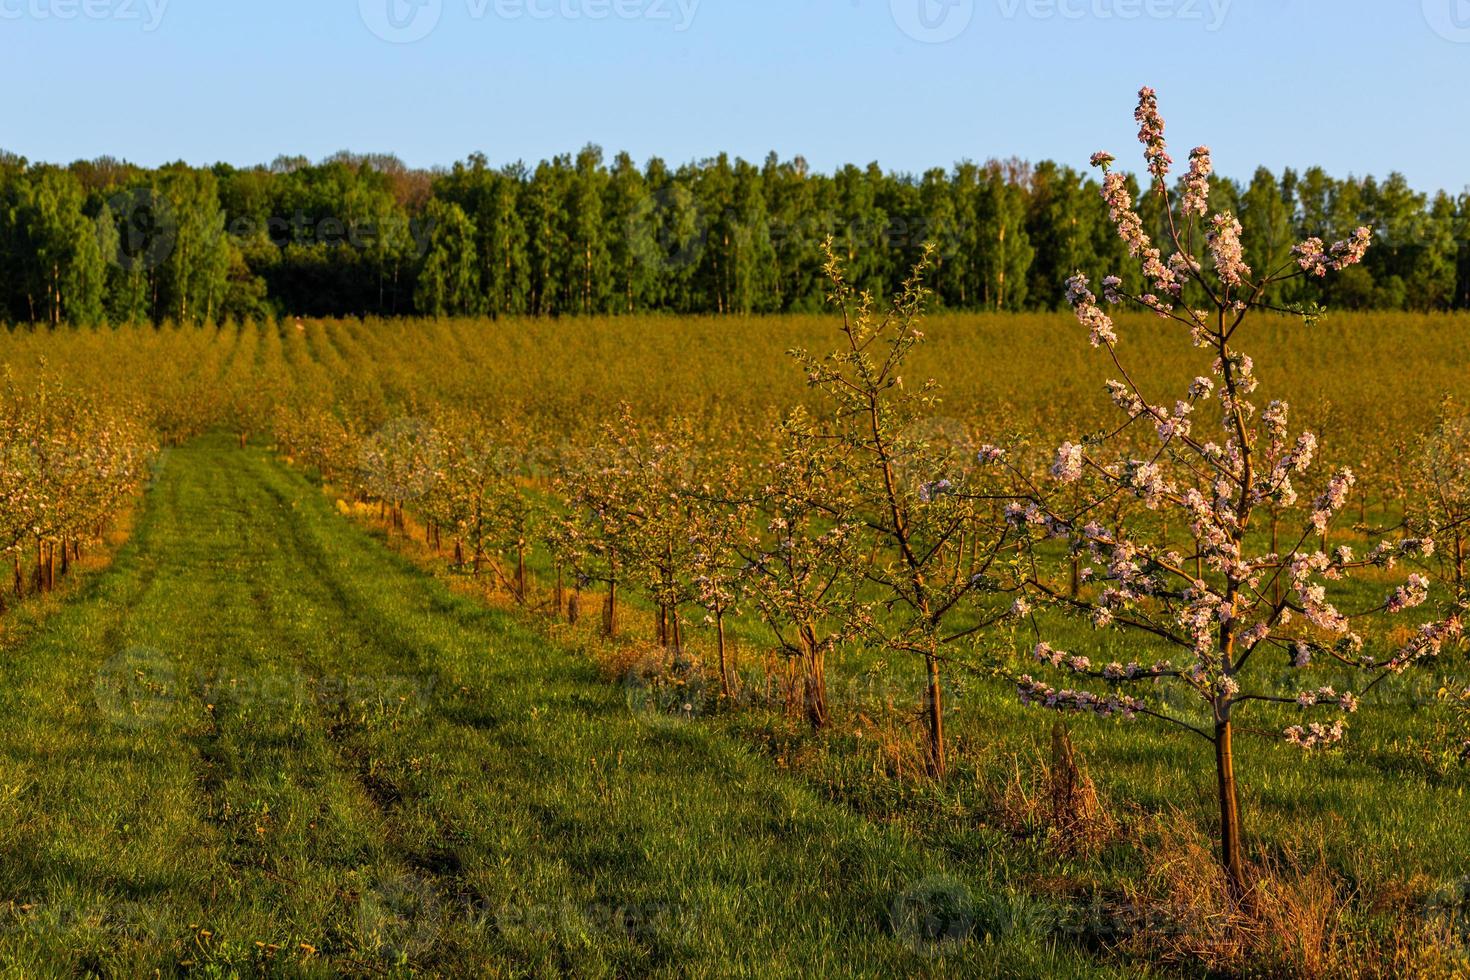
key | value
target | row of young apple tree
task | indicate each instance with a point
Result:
(67, 467)
(1199, 527)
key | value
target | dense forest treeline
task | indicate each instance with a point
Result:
(105, 241)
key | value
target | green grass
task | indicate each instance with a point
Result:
(1386, 807)
(1383, 815)
(262, 743)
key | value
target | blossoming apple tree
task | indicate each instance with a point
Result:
(1217, 620)
(918, 506)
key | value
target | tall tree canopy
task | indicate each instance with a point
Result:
(105, 241)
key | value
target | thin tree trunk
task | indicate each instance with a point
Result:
(726, 687)
(521, 573)
(1276, 550)
(934, 715)
(1459, 560)
(816, 688)
(1231, 856)
(610, 611)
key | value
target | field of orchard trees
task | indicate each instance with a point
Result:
(1126, 639)
(668, 517)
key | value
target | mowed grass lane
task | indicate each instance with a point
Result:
(262, 743)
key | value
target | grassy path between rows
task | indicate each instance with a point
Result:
(262, 743)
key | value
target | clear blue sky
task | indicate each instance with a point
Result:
(1358, 86)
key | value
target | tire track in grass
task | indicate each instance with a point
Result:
(349, 675)
(617, 815)
(306, 835)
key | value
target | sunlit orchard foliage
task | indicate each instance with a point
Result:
(505, 456)
(906, 492)
(719, 576)
(357, 235)
(804, 557)
(330, 392)
(636, 510)
(1461, 703)
(603, 486)
(319, 440)
(1234, 606)
(67, 467)
(1440, 479)
(731, 376)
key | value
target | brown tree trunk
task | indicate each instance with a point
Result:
(816, 688)
(1459, 560)
(1232, 859)
(934, 716)
(521, 574)
(1064, 779)
(1276, 550)
(610, 611)
(726, 688)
